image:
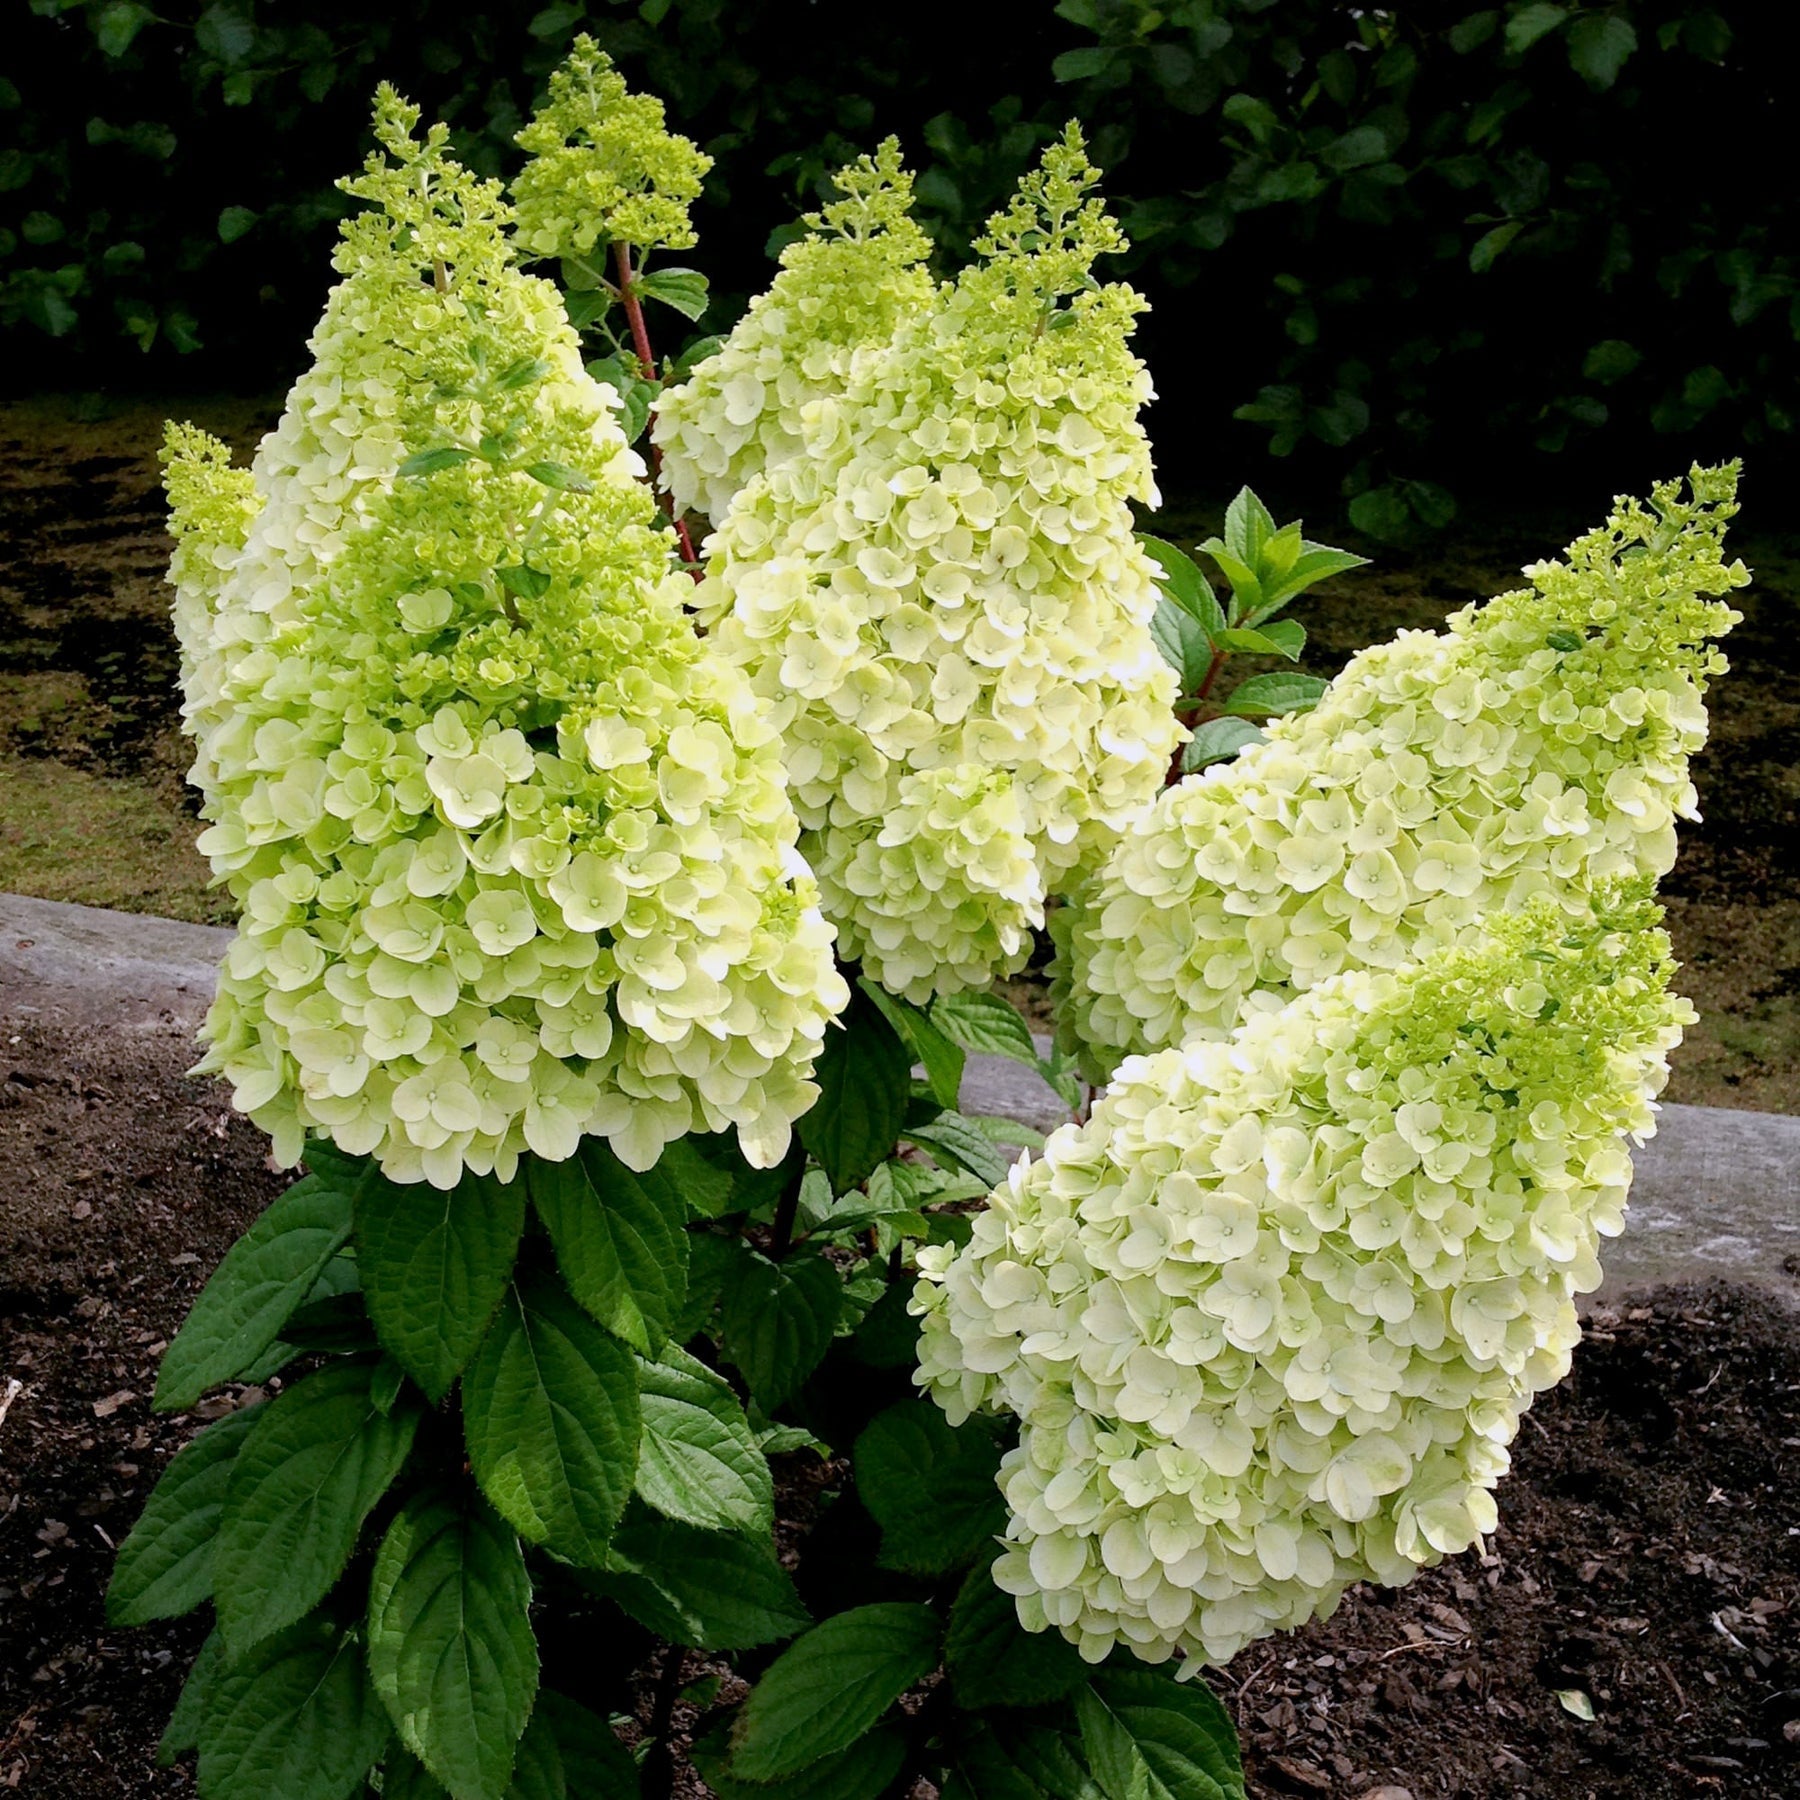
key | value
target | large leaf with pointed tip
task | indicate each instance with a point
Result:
(451, 1650)
(827, 1688)
(864, 1074)
(993, 1661)
(165, 1567)
(620, 1240)
(779, 1319)
(863, 1771)
(434, 1264)
(930, 1486)
(551, 1416)
(1147, 1736)
(265, 1276)
(698, 1461)
(307, 1477)
(295, 1719)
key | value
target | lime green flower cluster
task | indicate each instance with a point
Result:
(604, 167)
(1538, 744)
(843, 291)
(511, 844)
(1270, 1318)
(941, 602)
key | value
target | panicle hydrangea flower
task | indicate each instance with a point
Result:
(1539, 743)
(941, 601)
(510, 843)
(843, 291)
(604, 167)
(1270, 1318)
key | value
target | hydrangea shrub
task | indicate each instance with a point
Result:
(511, 843)
(940, 601)
(1538, 744)
(1268, 1320)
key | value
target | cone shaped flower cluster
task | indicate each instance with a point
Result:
(1540, 743)
(510, 843)
(1270, 1318)
(604, 168)
(843, 291)
(941, 601)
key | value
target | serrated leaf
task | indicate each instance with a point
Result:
(428, 462)
(1248, 527)
(1183, 642)
(709, 1590)
(1216, 740)
(1250, 643)
(683, 289)
(930, 1486)
(941, 1058)
(864, 1074)
(1149, 1737)
(1017, 1759)
(828, 1687)
(434, 1264)
(560, 477)
(1600, 45)
(863, 1771)
(887, 1336)
(986, 1023)
(1277, 692)
(182, 1733)
(620, 1238)
(551, 1418)
(1530, 23)
(266, 1274)
(1287, 635)
(116, 26)
(224, 32)
(993, 1661)
(165, 1566)
(1315, 563)
(1185, 584)
(694, 354)
(293, 1720)
(523, 373)
(779, 1319)
(317, 1460)
(698, 1461)
(523, 581)
(569, 1753)
(451, 1651)
(952, 1138)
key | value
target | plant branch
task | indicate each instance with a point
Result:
(787, 1210)
(640, 343)
(659, 1765)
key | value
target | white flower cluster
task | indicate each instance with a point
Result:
(1269, 1319)
(940, 600)
(1538, 744)
(843, 291)
(510, 843)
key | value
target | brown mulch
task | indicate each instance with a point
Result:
(1648, 1556)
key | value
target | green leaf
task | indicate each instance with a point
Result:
(1258, 643)
(1287, 635)
(863, 1771)
(1356, 149)
(293, 1720)
(1014, 1759)
(709, 1590)
(311, 1471)
(560, 477)
(961, 1144)
(707, 1175)
(1315, 563)
(620, 1237)
(698, 1461)
(779, 1319)
(116, 26)
(1080, 65)
(864, 1074)
(182, 1733)
(1183, 642)
(930, 1486)
(939, 1056)
(1279, 692)
(428, 462)
(569, 1753)
(550, 1414)
(165, 1566)
(1216, 740)
(1184, 583)
(434, 1265)
(993, 1661)
(1600, 45)
(683, 289)
(1489, 245)
(1150, 1737)
(266, 1274)
(522, 581)
(1610, 360)
(1472, 32)
(234, 221)
(1530, 23)
(1248, 527)
(451, 1651)
(986, 1023)
(693, 354)
(524, 373)
(224, 32)
(827, 1688)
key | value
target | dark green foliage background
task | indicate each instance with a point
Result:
(1399, 244)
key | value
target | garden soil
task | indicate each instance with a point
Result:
(1646, 1569)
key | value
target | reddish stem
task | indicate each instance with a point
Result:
(640, 342)
(1219, 658)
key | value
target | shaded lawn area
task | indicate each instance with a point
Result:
(92, 761)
